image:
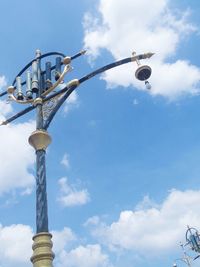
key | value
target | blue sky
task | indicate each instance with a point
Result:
(123, 167)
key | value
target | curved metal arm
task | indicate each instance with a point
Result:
(67, 68)
(16, 116)
(71, 86)
(105, 68)
(69, 89)
(115, 64)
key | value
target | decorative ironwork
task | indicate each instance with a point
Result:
(49, 106)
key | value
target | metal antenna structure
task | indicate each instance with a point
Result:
(185, 258)
(193, 241)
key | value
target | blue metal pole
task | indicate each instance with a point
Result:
(41, 194)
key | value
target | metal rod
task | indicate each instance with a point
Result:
(18, 115)
(48, 82)
(41, 195)
(28, 85)
(35, 84)
(19, 86)
(38, 55)
(105, 68)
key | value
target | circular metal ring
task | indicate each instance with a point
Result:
(143, 73)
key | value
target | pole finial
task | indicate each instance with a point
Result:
(83, 51)
(38, 53)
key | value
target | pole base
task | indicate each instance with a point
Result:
(42, 250)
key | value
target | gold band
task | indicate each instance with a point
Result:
(39, 139)
(42, 250)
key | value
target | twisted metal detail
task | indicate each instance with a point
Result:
(41, 195)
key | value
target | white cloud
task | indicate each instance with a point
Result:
(16, 242)
(146, 203)
(65, 160)
(16, 248)
(95, 220)
(71, 102)
(16, 157)
(135, 102)
(5, 108)
(121, 26)
(3, 81)
(70, 196)
(84, 256)
(61, 239)
(162, 225)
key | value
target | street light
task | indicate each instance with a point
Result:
(37, 85)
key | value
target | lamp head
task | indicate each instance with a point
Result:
(174, 265)
(143, 73)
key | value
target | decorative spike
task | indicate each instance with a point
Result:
(148, 55)
(3, 123)
(141, 56)
(82, 52)
(37, 53)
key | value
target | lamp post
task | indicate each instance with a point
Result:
(39, 89)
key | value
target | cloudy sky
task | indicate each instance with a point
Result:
(123, 168)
